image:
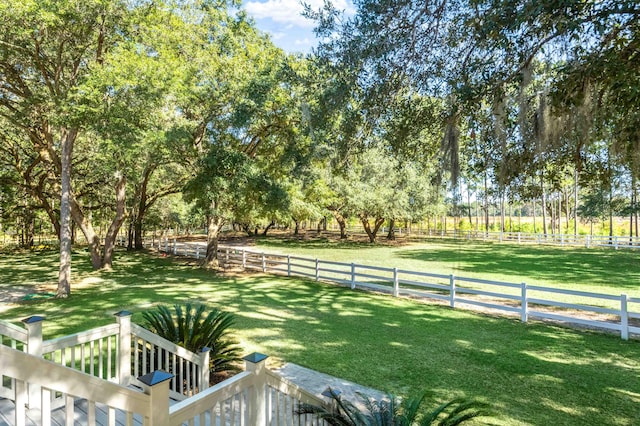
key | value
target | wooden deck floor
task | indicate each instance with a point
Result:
(58, 416)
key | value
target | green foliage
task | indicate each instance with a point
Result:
(230, 185)
(195, 327)
(394, 411)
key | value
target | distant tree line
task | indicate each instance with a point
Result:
(119, 116)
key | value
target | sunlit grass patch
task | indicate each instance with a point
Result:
(532, 373)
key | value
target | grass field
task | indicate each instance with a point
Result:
(598, 270)
(533, 374)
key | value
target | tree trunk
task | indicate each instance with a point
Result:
(64, 275)
(502, 227)
(610, 213)
(342, 223)
(246, 228)
(138, 243)
(552, 207)
(469, 206)
(112, 232)
(544, 205)
(28, 227)
(477, 215)
(535, 227)
(486, 204)
(567, 210)
(269, 226)
(93, 239)
(296, 230)
(214, 224)
(575, 201)
(142, 207)
(371, 233)
(391, 235)
(130, 236)
(633, 207)
(635, 197)
(53, 218)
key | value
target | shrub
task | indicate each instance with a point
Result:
(195, 327)
(393, 411)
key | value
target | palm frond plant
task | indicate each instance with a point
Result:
(394, 411)
(196, 326)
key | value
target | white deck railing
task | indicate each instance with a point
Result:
(76, 380)
(151, 352)
(34, 375)
(619, 313)
(255, 397)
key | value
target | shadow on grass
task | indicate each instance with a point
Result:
(531, 373)
(317, 242)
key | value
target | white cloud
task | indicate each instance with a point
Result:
(289, 11)
(277, 35)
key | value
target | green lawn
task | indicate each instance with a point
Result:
(534, 374)
(598, 270)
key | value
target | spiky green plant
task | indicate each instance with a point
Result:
(195, 326)
(394, 411)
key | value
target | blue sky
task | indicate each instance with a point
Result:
(282, 19)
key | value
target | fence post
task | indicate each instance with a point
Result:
(452, 291)
(264, 263)
(124, 347)
(624, 317)
(175, 246)
(226, 252)
(198, 252)
(353, 276)
(157, 387)
(244, 259)
(33, 325)
(317, 269)
(615, 241)
(396, 285)
(588, 241)
(288, 265)
(518, 237)
(166, 244)
(524, 303)
(205, 366)
(255, 363)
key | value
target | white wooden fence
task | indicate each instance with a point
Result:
(92, 377)
(617, 313)
(563, 240)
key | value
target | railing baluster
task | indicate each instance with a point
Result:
(109, 355)
(144, 357)
(69, 410)
(174, 381)
(46, 407)
(82, 358)
(100, 359)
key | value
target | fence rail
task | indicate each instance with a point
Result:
(167, 244)
(616, 242)
(616, 313)
(62, 381)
